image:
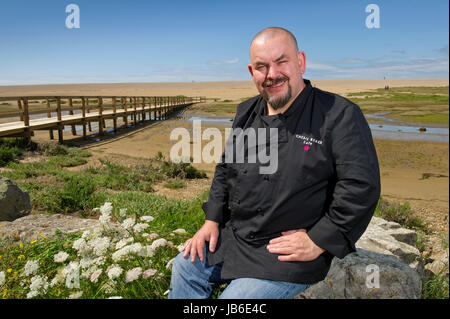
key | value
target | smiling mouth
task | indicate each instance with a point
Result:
(277, 85)
(273, 84)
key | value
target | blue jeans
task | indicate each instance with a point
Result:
(197, 280)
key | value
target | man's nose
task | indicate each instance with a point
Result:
(273, 72)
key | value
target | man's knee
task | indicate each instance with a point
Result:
(181, 264)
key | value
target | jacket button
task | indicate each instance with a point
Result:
(233, 228)
(266, 177)
(251, 235)
(244, 171)
(259, 210)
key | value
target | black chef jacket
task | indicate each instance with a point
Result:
(327, 182)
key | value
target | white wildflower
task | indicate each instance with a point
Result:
(95, 275)
(161, 242)
(123, 242)
(123, 252)
(100, 245)
(2, 278)
(148, 273)
(128, 223)
(106, 209)
(115, 297)
(38, 286)
(140, 227)
(71, 268)
(114, 271)
(166, 292)
(123, 212)
(60, 257)
(81, 247)
(31, 267)
(86, 262)
(99, 261)
(133, 274)
(92, 233)
(147, 218)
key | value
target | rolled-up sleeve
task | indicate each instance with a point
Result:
(357, 187)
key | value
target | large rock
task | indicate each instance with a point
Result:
(36, 226)
(14, 203)
(385, 265)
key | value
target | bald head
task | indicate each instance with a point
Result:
(277, 67)
(273, 32)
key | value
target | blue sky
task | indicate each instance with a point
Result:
(172, 41)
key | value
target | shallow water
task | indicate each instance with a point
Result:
(392, 132)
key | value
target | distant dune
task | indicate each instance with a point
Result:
(232, 90)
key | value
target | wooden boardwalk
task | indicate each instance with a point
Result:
(83, 110)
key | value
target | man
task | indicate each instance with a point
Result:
(274, 235)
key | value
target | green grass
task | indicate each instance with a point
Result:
(11, 148)
(422, 105)
(436, 286)
(53, 189)
(399, 213)
(217, 108)
(175, 184)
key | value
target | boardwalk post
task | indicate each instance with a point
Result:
(133, 101)
(58, 112)
(19, 104)
(143, 108)
(87, 110)
(74, 131)
(114, 114)
(83, 116)
(124, 104)
(26, 121)
(100, 117)
(49, 115)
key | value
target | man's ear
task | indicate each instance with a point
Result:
(250, 69)
(302, 61)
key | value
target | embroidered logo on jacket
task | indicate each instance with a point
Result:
(308, 141)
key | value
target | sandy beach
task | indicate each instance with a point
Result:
(232, 90)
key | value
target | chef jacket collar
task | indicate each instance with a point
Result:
(298, 103)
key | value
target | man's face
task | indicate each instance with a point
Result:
(276, 68)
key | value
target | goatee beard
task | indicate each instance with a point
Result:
(278, 102)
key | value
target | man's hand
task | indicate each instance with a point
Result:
(295, 245)
(208, 232)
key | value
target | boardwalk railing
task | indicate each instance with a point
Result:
(83, 110)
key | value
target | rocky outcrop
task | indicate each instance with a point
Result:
(36, 226)
(14, 203)
(438, 264)
(385, 265)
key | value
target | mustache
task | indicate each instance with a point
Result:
(270, 82)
